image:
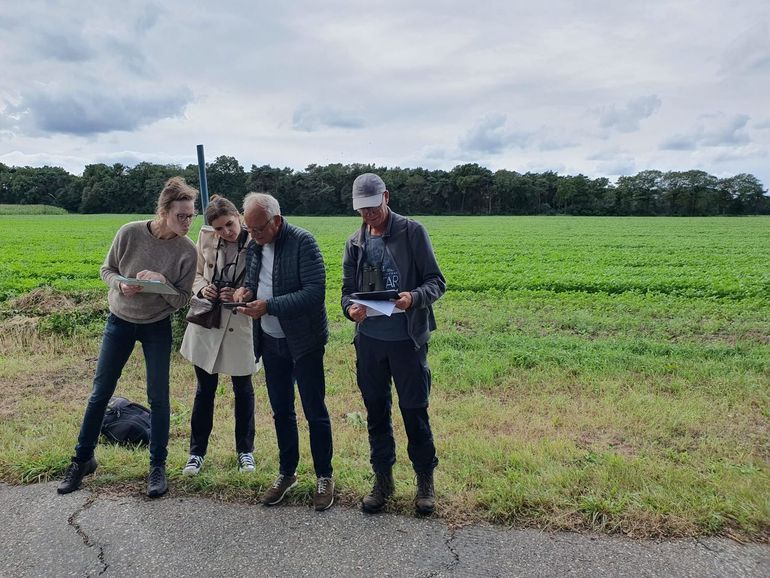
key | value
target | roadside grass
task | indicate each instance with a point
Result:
(645, 413)
(535, 427)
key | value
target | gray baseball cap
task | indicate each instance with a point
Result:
(368, 190)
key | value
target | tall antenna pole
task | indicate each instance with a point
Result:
(203, 183)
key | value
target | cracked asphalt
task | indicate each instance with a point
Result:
(85, 534)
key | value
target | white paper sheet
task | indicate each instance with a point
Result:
(375, 308)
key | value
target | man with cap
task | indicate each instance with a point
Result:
(392, 252)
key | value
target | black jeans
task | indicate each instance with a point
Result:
(117, 345)
(202, 418)
(378, 361)
(281, 372)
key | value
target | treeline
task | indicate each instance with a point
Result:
(467, 189)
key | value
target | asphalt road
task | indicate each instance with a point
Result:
(84, 534)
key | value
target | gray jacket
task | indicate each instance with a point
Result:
(299, 290)
(410, 250)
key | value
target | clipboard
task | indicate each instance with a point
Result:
(149, 286)
(376, 295)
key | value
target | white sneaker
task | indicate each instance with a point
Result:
(246, 463)
(193, 465)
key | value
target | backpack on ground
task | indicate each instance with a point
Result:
(126, 422)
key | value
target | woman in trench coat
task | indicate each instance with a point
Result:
(225, 349)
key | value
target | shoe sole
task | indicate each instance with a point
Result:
(247, 470)
(191, 472)
(280, 499)
(317, 509)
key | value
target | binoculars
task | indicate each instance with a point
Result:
(372, 279)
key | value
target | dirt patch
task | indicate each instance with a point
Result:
(56, 386)
(43, 301)
(602, 441)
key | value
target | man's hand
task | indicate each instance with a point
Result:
(404, 301)
(255, 309)
(242, 294)
(357, 312)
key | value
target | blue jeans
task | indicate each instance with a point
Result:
(281, 371)
(377, 362)
(117, 345)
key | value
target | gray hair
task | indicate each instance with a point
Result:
(268, 203)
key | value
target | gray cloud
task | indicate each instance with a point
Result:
(628, 117)
(715, 130)
(85, 113)
(310, 118)
(679, 143)
(491, 136)
(749, 53)
(64, 47)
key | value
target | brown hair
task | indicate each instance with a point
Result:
(175, 189)
(219, 207)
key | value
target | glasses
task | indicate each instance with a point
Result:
(370, 210)
(182, 218)
(259, 230)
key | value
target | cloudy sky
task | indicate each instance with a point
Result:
(598, 87)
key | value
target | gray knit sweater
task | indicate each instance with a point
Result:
(135, 249)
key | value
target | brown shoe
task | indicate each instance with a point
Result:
(425, 498)
(277, 491)
(381, 492)
(324, 494)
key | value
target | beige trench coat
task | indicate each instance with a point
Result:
(229, 348)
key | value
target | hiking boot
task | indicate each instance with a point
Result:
(324, 494)
(277, 491)
(193, 465)
(157, 484)
(425, 498)
(246, 463)
(74, 475)
(381, 492)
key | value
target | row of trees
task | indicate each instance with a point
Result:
(467, 189)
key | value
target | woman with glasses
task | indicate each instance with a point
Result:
(150, 270)
(225, 349)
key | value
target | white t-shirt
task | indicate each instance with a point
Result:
(270, 323)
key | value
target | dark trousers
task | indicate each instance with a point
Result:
(118, 342)
(202, 418)
(378, 361)
(281, 372)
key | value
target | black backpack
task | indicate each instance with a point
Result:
(126, 422)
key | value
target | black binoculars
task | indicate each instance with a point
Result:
(372, 279)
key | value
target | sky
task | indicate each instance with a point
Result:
(595, 87)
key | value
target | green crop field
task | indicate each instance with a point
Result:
(602, 373)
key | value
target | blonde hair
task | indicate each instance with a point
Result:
(175, 189)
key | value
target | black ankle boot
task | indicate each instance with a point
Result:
(425, 498)
(381, 492)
